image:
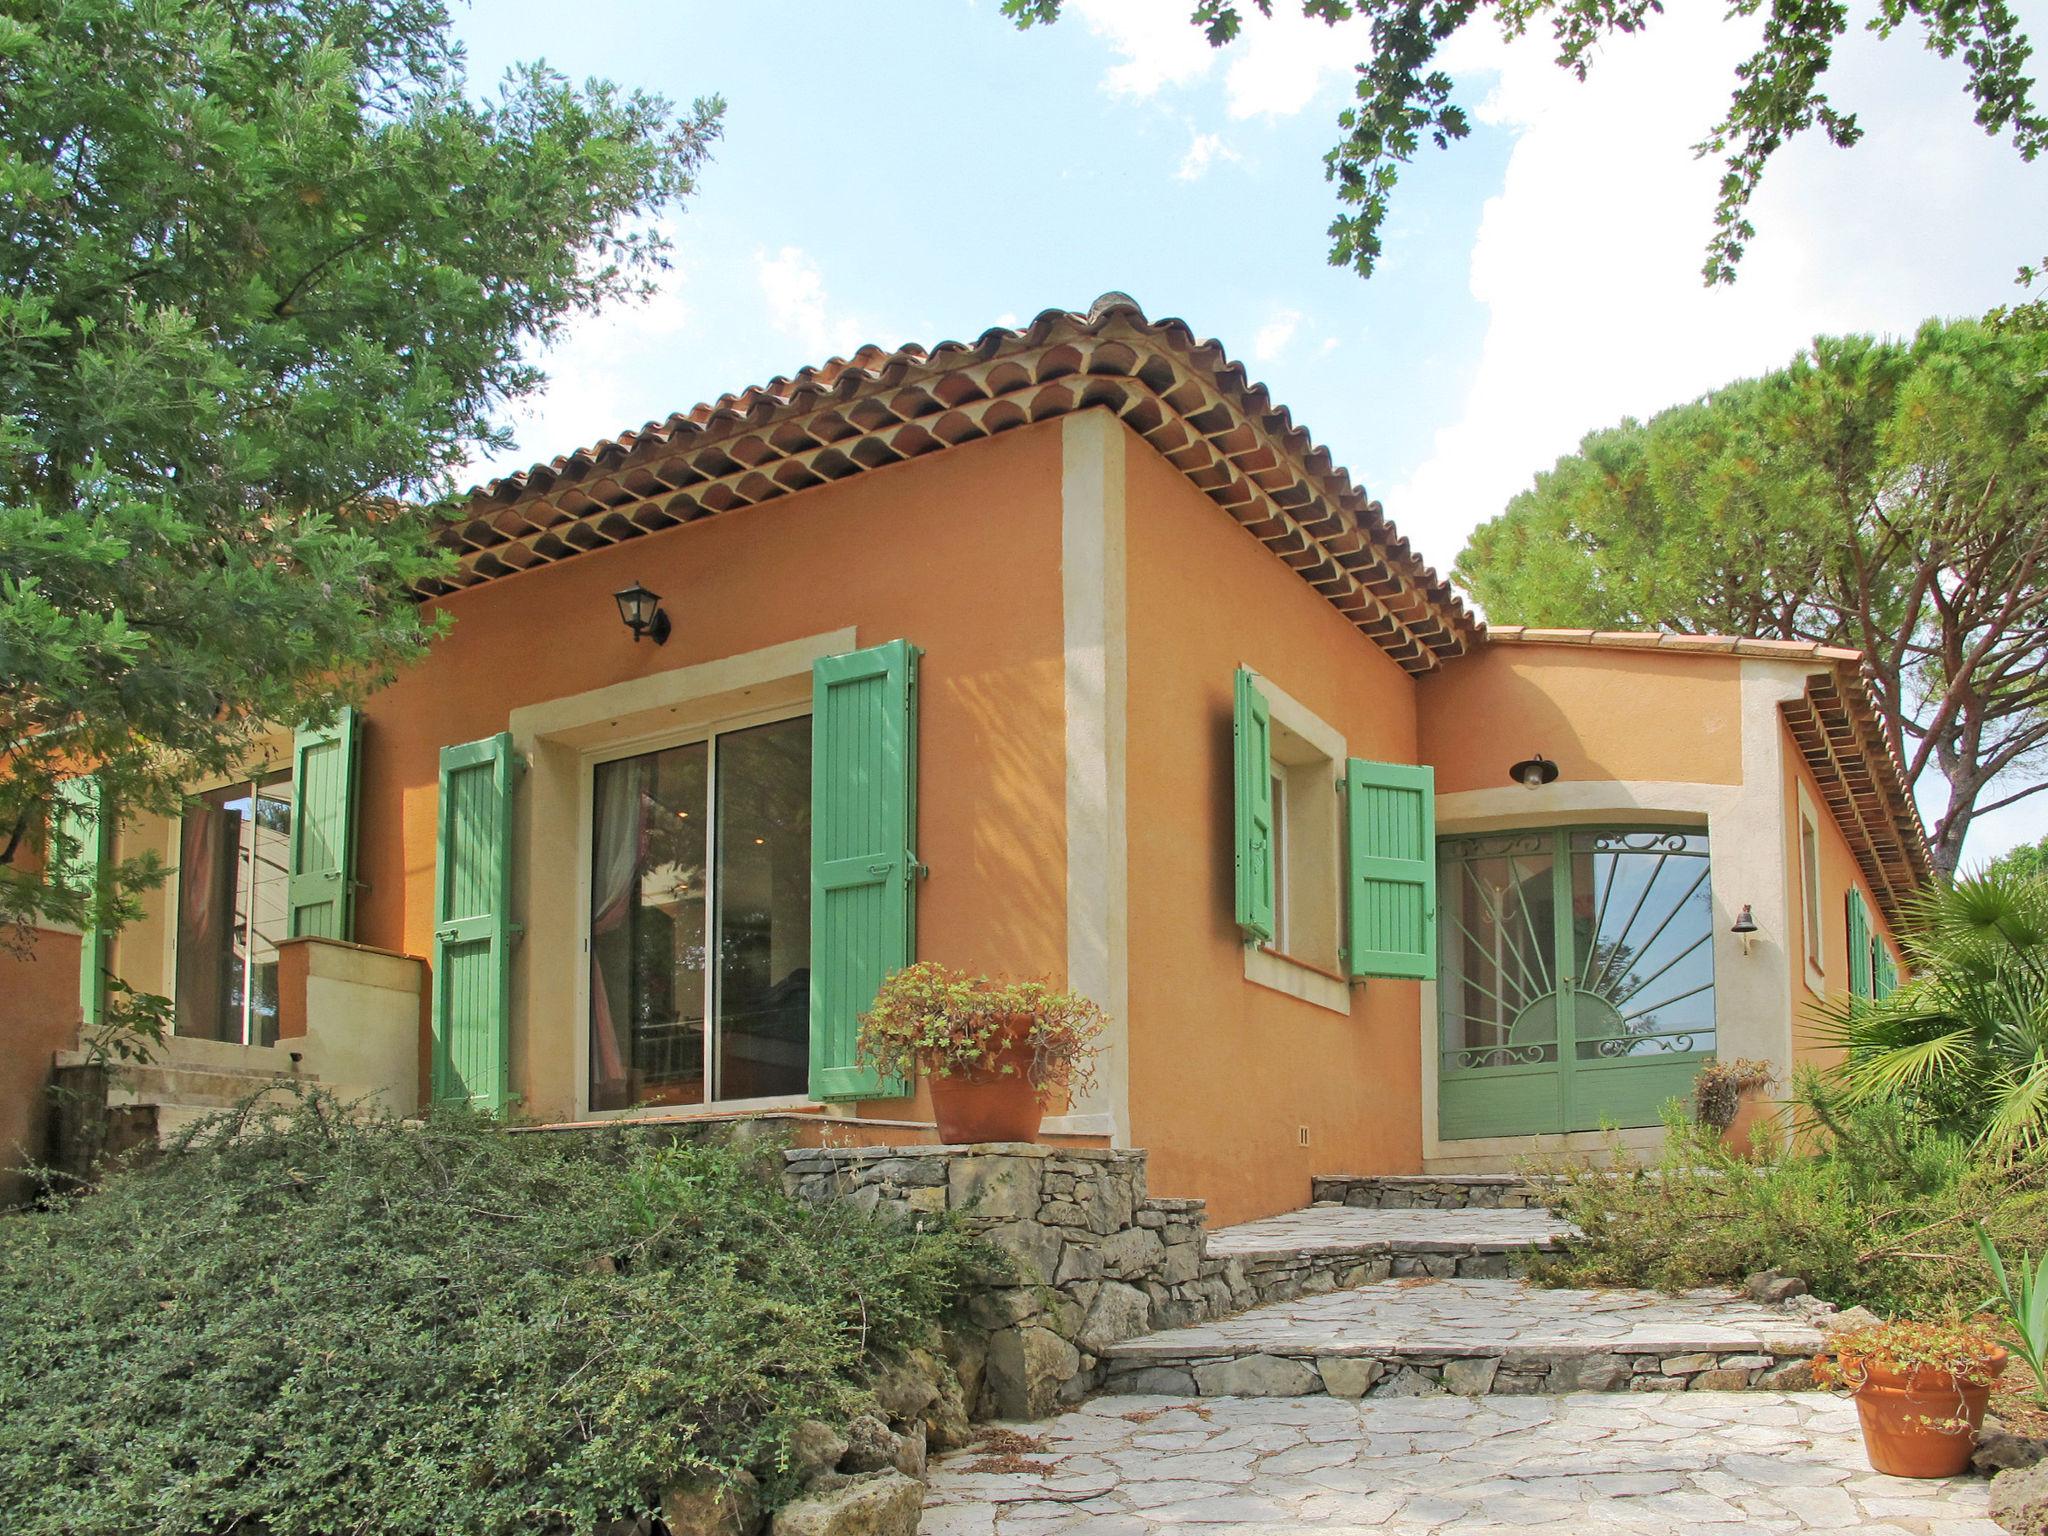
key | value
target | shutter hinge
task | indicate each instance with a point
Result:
(913, 869)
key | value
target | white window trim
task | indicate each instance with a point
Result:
(1267, 965)
(1812, 909)
(615, 751)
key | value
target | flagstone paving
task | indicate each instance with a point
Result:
(1694, 1462)
(1323, 1229)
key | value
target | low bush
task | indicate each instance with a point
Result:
(1869, 1205)
(325, 1323)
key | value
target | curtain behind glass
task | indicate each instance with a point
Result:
(208, 841)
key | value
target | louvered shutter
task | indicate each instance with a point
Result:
(1252, 753)
(1390, 869)
(322, 877)
(1859, 944)
(473, 931)
(1886, 980)
(87, 835)
(864, 867)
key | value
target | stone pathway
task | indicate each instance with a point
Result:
(1326, 1229)
(1652, 1463)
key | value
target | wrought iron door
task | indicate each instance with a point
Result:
(1576, 988)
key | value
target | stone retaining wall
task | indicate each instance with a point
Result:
(1524, 1373)
(1092, 1258)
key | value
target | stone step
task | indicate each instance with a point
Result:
(1336, 1247)
(188, 1079)
(1423, 1336)
(1429, 1191)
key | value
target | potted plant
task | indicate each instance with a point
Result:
(1920, 1390)
(1728, 1097)
(996, 1051)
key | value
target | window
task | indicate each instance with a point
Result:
(700, 905)
(1306, 844)
(1809, 887)
(233, 848)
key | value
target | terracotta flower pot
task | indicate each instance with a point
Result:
(1752, 1114)
(988, 1103)
(1922, 1423)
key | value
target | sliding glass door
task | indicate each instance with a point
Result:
(234, 845)
(700, 902)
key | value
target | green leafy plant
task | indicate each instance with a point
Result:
(953, 1023)
(1866, 1201)
(1963, 1350)
(306, 1320)
(2024, 1301)
(1964, 1039)
(1717, 1091)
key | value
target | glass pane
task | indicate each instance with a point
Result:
(208, 989)
(1498, 978)
(263, 917)
(647, 912)
(764, 910)
(1643, 933)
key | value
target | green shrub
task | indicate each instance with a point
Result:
(1870, 1205)
(330, 1324)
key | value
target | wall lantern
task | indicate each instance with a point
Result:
(641, 609)
(1744, 927)
(1534, 772)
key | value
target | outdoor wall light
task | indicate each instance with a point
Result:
(1534, 772)
(1744, 927)
(641, 609)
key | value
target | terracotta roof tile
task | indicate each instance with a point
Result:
(1183, 395)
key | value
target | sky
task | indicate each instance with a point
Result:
(920, 170)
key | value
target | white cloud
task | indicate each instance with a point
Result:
(1330, 344)
(1275, 67)
(1272, 337)
(1157, 44)
(1204, 151)
(799, 307)
(1588, 259)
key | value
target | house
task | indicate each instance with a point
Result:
(1062, 652)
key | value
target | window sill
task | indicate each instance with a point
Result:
(1267, 967)
(1306, 965)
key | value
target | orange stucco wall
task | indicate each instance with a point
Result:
(1223, 1071)
(1838, 872)
(1598, 714)
(958, 552)
(38, 1017)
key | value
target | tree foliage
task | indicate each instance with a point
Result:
(327, 1323)
(2028, 859)
(1886, 495)
(268, 271)
(1403, 95)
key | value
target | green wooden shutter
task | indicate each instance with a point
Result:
(1252, 754)
(864, 865)
(88, 834)
(323, 851)
(1886, 980)
(1390, 869)
(473, 931)
(1859, 944)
